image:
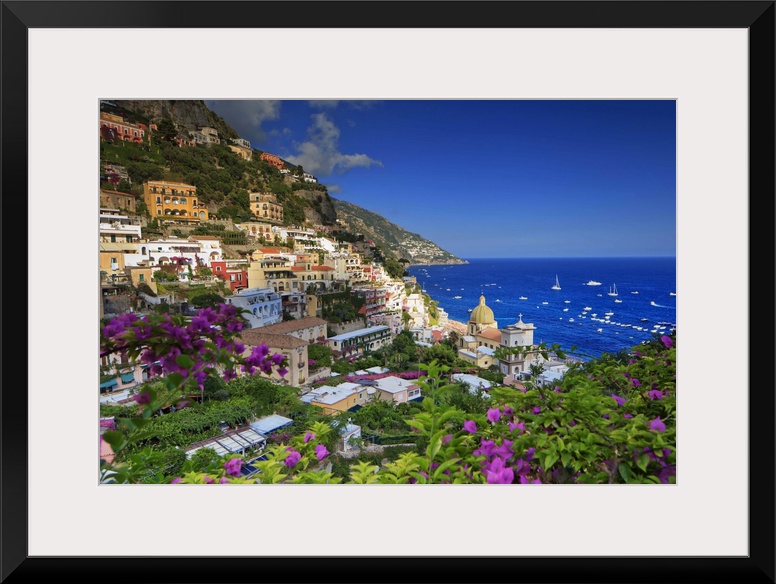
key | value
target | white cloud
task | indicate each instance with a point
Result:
(247, 115)
(320, 153)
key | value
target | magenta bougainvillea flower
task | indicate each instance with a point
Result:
(504, 450)
(309, 436)
(618, 399)
(494, 415)
(223, 481)
(667, 341)
(499, 473)
(655, 394)
(176, 480)
(486, 448)
(518, 426)
(233, 466)
(470, 426)
(635, 382)
(321, 452)
(657, 425)
(142, 398)
(446, 438)
(508, 412)
(292, 458)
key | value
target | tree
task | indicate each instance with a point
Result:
(206, 300)
(167, 130)
(321, 354)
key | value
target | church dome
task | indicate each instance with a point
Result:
(482, 314)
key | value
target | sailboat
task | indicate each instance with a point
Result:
(613, 290)
(557, 284)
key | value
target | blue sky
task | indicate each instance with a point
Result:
(489, 178)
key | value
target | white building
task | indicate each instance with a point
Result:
(474, 383)
(517, 336)
(396, 389)
(264, 306)
(117, 228)
(197, 250)
(358, 341)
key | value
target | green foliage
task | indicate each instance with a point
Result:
(206, 299)
(321, 354)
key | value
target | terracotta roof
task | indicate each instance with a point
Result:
(257, 336)
(491, 334)
(268, 250)
(298, 268)
(290, 326)
(326, 268)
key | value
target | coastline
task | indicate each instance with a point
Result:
(455, 326)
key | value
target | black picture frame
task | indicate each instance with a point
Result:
(756, 16)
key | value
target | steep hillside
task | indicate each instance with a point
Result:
(187, 114)
(223, 179)
(392, 239)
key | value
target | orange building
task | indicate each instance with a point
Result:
(272, 159)
(174, 203)
(121, 129)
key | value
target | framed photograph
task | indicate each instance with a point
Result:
(714, 59)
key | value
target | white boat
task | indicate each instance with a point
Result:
(545, 302)
(599, 330)
(565, 310)
(456, 297)
(587, 308)
(635, 292)
(608, 313)
(653, 303)
(567, 301)
(523, 298)
(557, 284)
(618, 300)
(612, 290)
(571, 320)
(672, 293)
(593, 283)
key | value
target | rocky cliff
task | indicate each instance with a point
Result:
(188, 114)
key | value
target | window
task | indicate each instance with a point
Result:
(218, 268)
(142, 277)
(113, 238)
(158, 199)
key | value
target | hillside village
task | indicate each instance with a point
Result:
(351, 324)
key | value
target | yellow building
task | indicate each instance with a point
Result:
(481, 331)
(266, 207)
(141, 275)
(333, 400)
(174, 203)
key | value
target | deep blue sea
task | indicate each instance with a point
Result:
(644, 291)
